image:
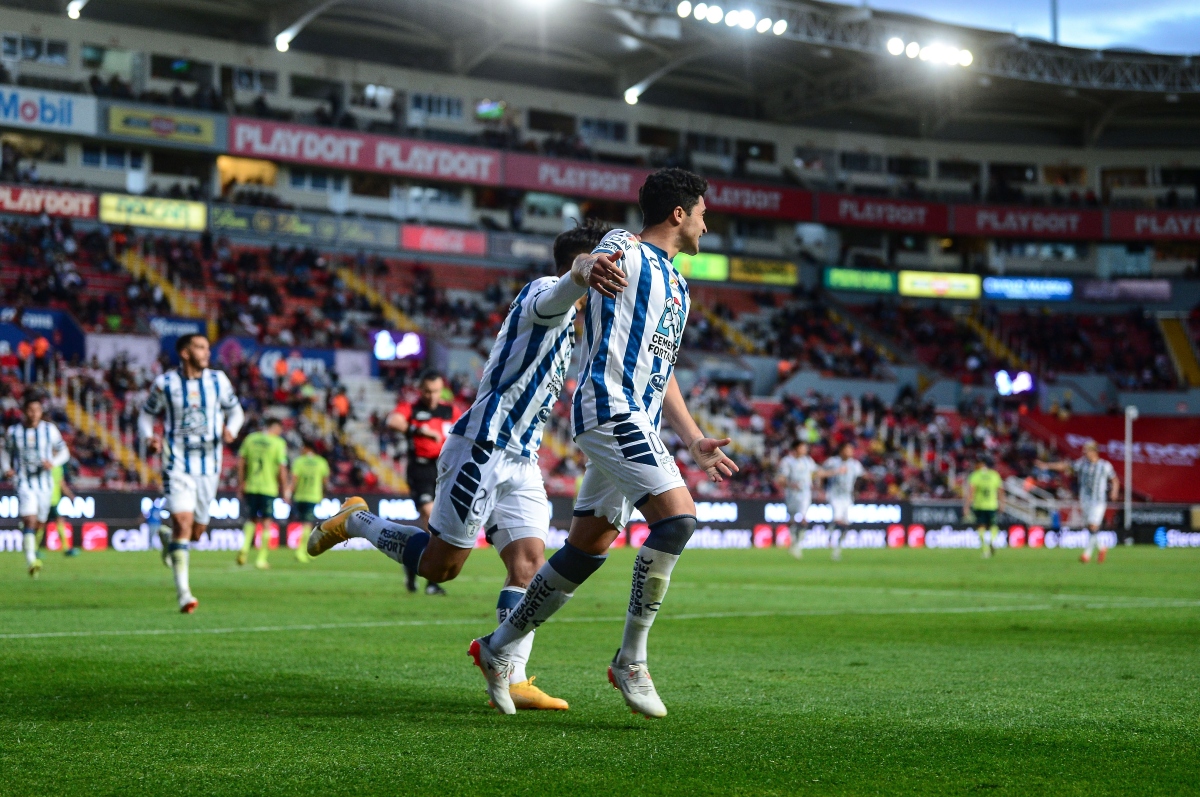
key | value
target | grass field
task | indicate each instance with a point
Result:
(894, 671)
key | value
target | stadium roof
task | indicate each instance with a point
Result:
(830, 68)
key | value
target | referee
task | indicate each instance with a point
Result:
(426, 424)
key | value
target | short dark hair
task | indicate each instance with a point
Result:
(185, 340)
(429, 375)
(580, 240)
(666, 190)
(272, 421)
(32, 397)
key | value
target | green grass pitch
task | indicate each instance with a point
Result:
(895, 671)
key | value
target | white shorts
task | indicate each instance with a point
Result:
(34, 501)
(1093, 512)
(841, 510)
(627, 463)
(493, 489)
(189, 492)
(797, 505)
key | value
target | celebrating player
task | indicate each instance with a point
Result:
(199, 413)
(843, 473)
(33, 448)
(310, 471)
(488, 475)
(983, 499)
(626, 386)
(796, 472)
(1098, 483)
(426, 424)
(262, 471)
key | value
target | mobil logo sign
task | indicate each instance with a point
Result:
(47, 110)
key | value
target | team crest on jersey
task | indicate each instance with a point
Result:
(193, 420)
(665, 341)
(544, 414)
(658, 382)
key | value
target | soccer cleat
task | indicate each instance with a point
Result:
(634, 683)
(331, 531)
(35, 569)
(71, 552)
(527, 697)
(496, 671)
(164, 540)
(434, 589)
(241, 558)
(263, 565)
(797, 550)
(1085, 558)
(188, 606)
(1101, 556)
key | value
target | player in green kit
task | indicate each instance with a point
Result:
(262, 470)
(60, 488)
(983, 499)
(309, 473)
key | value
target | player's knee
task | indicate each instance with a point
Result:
(522, 568)
(440, 562)
(671, 535)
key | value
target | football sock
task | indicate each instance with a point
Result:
(30, 547)
(61, 528)
(798, 532)
(302, 548)
(179, 564)
(510, 597)
(248, 529)
(836, 542)
(1092, 543)
(651, 576)
(264, 547)
(548, 592)
(404, 544)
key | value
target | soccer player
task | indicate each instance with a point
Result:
(983, 500)
(200, 414)
(1098, 484)
(488, 472)
(426, 424)
(262, 471)
(842, 473)
(70, 545)
(626, 388)
(32, 449)
(310, 472)
(796, 472)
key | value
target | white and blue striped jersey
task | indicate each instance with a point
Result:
(632, 341)
(195, 414)
(28, 448)
(840, 486)
(1093, 479)
(524, 374)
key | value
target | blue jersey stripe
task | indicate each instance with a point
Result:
(204, 407)
(637, 329)
(509, 336)
(608, 312)
(522, 403)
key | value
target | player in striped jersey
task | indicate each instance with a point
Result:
(626, 387)
(487, 472)
(32, 449)
(199, 413)
(1098, 484)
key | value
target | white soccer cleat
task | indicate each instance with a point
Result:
(634, 683)
(797, 550)
(496, 670)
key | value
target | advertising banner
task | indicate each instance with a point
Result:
(139, 351)
(58, 326)
(939, 285)
(164, 214)
(574, 178)
(886, 214)
(52, 111)
(343, 149)
(704, 266)
(1006, 222)
(1166, 451)
(521, 248)
(230, 352)
(1032, 289)
(1127, 290)
(763, 272)
(162, 125)
(860, 279)
(170, 328)
(442, 240)
(776, 202)
(311, 228)
(51, 201)
(1151, 225)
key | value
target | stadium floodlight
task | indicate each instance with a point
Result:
(715, 14)
(283, 41)
(747, 19)
(895, 45)
(780, 27)
(764, 25)
(733, 18)
(965, 58)
(912, 50)
(684, 9)
(701, 11)
(75, 7)
(631, 95)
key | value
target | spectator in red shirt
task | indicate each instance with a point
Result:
(426, 423)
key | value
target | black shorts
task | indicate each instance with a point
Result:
(984, 518)
(258, 507)
(304, 512)
(422, 482)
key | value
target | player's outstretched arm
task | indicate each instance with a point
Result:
(1060, 467)
(706, 451)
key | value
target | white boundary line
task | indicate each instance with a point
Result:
(267, 629)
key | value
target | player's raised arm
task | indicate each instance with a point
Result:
(1059, 467)
(706, 451)
(232, 408)
(152, 408)
(7, 456)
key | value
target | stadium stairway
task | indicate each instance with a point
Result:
(91, 424)
(388, 476)
(398, 319)
(1180, 347)
(181, 304)
(995, 346)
